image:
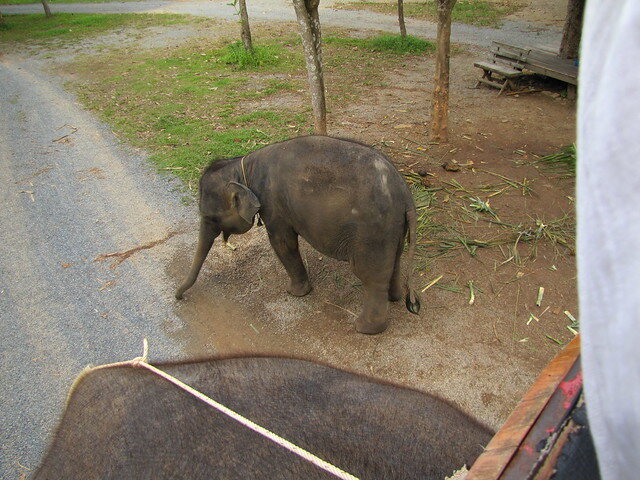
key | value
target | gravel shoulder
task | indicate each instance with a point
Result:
(65, 203)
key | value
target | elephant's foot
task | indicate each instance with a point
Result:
(299, 289)
(371, 326)
(373, 318)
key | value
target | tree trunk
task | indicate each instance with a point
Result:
(403, 28)
(307, 13)
(246, 31)
(440, 114)
(570, 45)
(47, 10)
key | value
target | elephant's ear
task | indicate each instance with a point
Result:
(244, 201)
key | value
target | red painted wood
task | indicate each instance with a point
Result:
(507, 441)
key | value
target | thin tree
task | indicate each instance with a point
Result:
(307, 13)
(570, 45)
(47, 10)
(440, 112)
(403, 28)
(246, 31)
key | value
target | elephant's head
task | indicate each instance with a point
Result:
(229, 206)
(225, 206)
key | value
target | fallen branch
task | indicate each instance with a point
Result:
(524, 91)
(39, 172)
(341, 308)
(75, 129)
(122, 256)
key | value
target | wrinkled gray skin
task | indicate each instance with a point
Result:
(346, 199)
(128, 423)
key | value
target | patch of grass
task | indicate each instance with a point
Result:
(235, 54)
(473, 12)
(53, 2)
(188, 106)
(385, 43)
(563, 163)
(191, 104)
(34, 28)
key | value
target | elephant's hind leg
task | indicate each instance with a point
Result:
(373, 318)
(285, 244)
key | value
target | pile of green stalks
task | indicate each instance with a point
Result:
(564, 162)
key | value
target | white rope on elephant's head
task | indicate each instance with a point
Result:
(246, 184)
(244, 172)
(301, 452)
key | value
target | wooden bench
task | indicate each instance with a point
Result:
(511, 62)
(543, 62)
(507, 63)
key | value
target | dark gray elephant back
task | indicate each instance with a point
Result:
(346, 199)
(128, 423)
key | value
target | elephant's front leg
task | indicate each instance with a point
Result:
(285, 244)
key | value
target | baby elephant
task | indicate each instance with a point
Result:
(345, 198)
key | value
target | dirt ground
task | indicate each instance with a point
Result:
(545, 12)
(482, 356)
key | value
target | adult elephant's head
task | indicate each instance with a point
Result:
(226, 207)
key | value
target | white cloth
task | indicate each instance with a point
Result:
(608, 242)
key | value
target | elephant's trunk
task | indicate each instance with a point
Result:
(208, 233)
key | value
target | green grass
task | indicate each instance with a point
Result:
(473, 12)
(188, 105)
(394, 44)
(53, 2)
(235, 54)
(74, 26)
(563, 163)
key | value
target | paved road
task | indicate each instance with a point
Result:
(519, 33)
(63, 204)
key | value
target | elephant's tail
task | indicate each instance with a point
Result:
(412, 300)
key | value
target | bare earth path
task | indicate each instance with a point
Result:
(72, 193)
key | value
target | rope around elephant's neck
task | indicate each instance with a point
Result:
(244, 172)
(246, 184)
(301, 452)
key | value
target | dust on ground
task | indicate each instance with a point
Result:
(545, 12)
(481, 356)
